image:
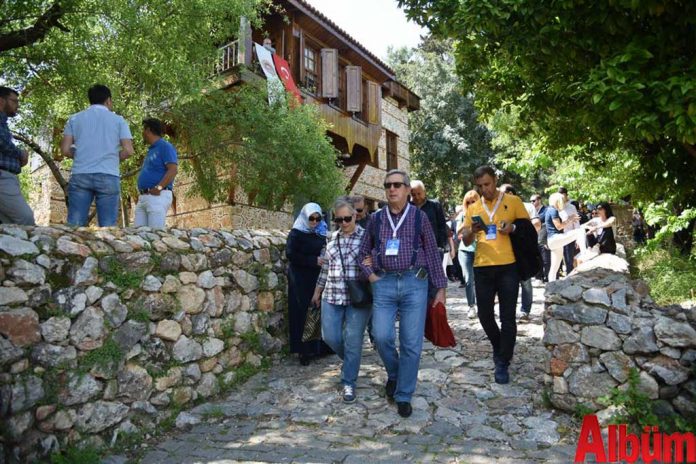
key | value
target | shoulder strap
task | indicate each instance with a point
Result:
(376, 240)
(416, 237)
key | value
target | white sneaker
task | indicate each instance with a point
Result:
(472, 313)
(348, 394)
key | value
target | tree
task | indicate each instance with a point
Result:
(447, 141)
(595, 80)
(157, 57)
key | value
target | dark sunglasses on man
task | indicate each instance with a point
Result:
(346, 219)
(396, 185)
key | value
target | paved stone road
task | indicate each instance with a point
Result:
(294, 414)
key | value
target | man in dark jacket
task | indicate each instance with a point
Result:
(432, 209)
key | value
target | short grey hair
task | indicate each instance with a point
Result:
(343, 202)
(403, 174)
(417, 184)
(356, 199)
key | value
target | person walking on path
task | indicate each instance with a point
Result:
(490, 221)
(342, 324)
(98, 140)
(156, 179)
(304, 250)
(404, 257)
(540, 208)
(13, 207)
(526, 287)
(363, 215)
(467, 254)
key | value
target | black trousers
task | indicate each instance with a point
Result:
(546, 258)
(505, 282)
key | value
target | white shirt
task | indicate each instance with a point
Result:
(565, 213)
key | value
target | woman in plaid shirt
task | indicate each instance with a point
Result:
(342, 325)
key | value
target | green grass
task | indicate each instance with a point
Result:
(108, 353)
(671, 276)
(75, 455)
(121, 276)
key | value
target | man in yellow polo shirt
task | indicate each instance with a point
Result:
(491, 221)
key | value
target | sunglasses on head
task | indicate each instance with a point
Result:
(396, 185)
(315, 218)
(346, 219)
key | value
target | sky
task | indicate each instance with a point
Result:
(376, 24)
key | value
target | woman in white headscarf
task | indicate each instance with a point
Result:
(304, 248)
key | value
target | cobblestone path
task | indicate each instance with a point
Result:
(294, 414)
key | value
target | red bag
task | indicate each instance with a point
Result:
(437, 330)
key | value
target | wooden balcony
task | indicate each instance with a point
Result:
(228, 57)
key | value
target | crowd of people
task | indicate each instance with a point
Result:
(97, 140)
(496, 243)
(398, 254)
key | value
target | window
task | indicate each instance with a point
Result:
(311, 70)
(392, 151)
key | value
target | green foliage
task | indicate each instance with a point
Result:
(169, 422)
(252, 341)
(604, 87)
(261, 272)
(121, 276)
(581, 410)
(634, 406)
(77, 455)
(157, 58)
(277, 153)
(109, 353)
(447, 142)
(213, 413)
(671, 276)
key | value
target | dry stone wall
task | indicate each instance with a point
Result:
(600, 324)
(105, 332)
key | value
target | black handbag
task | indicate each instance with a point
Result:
(358, 290)
(312, 325)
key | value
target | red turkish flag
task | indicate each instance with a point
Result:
(283, 70)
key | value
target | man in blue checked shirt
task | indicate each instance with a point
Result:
(98, 140)
(403, 257)
(13, 207)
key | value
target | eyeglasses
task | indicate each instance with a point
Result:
(396, 185)
(359, 210)
(346, 219)
(315, 218)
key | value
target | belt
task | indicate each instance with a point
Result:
(147, 191)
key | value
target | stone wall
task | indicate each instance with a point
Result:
(105, 332)
(600, 324)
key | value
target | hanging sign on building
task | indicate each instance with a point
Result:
(276, 90)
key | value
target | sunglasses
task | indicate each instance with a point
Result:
(471, 202)
(396, 185)
(346, 219)
(359, 210)
(315, 218)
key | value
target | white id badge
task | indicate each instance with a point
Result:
(392, 247)
(491, 232)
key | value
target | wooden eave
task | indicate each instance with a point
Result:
(402, 94)
(322, 28)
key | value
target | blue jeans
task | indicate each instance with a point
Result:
(527, 296)
(466, 259)
(343, 328)
(406, 294)
(504, 281)
(85, 188)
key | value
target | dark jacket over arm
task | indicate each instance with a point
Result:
(524, 245)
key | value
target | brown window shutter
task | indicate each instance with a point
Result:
(354, 88)
(302, 46)
(374, 102)
(329, 73)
